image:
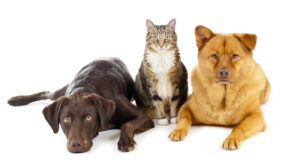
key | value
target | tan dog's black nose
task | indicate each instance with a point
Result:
(223, 73)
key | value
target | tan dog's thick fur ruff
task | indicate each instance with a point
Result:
(228, 87)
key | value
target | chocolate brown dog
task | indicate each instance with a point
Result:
(97, 99)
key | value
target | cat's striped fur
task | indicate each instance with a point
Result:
(161, 84)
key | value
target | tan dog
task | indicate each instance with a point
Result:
(228, 87)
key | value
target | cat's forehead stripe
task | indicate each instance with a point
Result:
(161, 29)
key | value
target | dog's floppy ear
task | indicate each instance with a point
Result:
(203, 35)
(248, 40)
(105, 107)
(51, 113)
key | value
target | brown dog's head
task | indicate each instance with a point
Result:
(80, 117)
(224, 58)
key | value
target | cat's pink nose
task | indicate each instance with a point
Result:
(161, 47)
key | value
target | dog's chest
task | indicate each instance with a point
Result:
(160, 64)
(219, 106)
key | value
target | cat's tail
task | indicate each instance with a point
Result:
(26, 99)
(167, 109)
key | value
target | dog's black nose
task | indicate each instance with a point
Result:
(223, 73)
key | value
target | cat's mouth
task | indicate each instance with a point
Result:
(161, 48)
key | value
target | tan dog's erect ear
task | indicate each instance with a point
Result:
(105, 107)
(51, 113)
(248, 40)
(203, 35)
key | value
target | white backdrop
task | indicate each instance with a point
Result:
(44, 43)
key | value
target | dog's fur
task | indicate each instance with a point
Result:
(97, 99)
(228, 87)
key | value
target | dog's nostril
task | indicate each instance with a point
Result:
(76, 145)
(223, 72)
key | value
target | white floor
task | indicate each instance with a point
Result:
(44, 43)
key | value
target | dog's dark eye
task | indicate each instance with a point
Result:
(67, 120)
(234, 56)
(214, 56)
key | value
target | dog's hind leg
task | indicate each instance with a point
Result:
(138, 122)
(26, 99)
(58, 93)
(264, 95)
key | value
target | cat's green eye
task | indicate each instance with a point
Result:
(155, 37)
(167, 37)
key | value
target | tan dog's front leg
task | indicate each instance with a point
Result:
(250, 126)
(184, 123)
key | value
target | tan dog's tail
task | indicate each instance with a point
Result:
(264, 96)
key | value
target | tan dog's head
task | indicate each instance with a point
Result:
(224, 58)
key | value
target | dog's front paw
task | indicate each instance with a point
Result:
(178, 134)
(232, 143)
(126, 144)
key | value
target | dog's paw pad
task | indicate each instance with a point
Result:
(178, 134)
(231, 143)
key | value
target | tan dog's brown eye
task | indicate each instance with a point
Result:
(88, 118)
(214, 56)
(234, 56)
(67, 120)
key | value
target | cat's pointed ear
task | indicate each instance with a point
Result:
(149, 25)
(172, 24)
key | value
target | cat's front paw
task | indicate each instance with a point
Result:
(178, 134)
(174, 120)
(163, 122)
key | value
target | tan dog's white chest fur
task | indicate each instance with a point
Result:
(160, 63)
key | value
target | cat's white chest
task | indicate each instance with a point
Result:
(160, 64)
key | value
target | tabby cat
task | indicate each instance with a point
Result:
(161, 84)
